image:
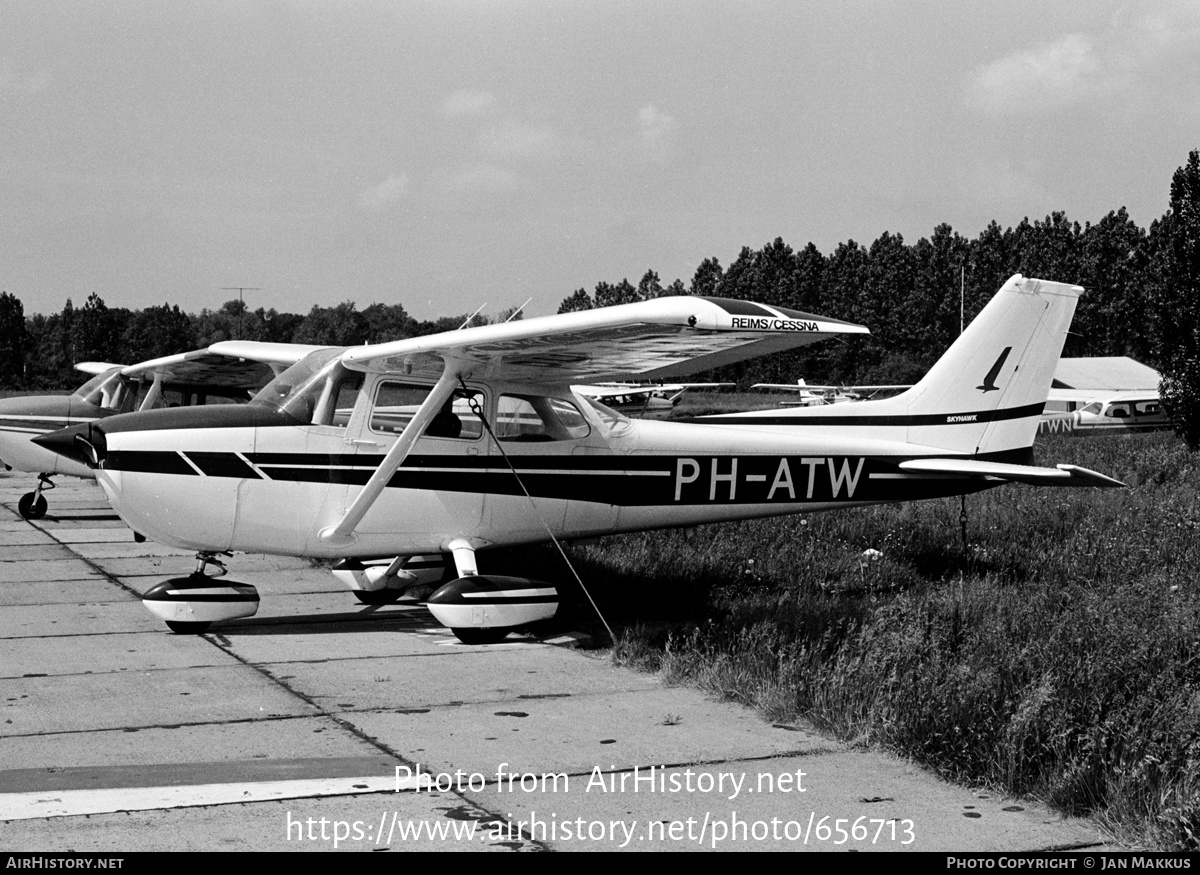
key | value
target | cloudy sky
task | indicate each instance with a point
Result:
(446, 154)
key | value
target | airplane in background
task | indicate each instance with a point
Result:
(455, 443)
(643, 401)
(1106, 413)
(817, 396)
(229, 372)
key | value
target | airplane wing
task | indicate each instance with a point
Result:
(658, 339)
(661, 338)
(238, 364)
(94, 368)
(1079, 396)
(1061, 475)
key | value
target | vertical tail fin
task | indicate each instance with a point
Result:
(992, 383)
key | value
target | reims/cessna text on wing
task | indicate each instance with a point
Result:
(227, 372)
(457, 442)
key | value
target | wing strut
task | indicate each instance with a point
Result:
(154, 396)
(342, 532)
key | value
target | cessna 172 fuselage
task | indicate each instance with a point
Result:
(474, 439)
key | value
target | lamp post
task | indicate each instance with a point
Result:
(241, 304)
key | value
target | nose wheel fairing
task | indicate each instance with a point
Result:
(189, 605)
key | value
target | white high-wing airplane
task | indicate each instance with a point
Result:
(227, 372)
(815, 396)
(1100, 412)
(457, 442)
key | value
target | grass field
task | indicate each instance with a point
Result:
(1055, 655)
(1058, 656)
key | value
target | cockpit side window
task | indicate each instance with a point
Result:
(397, 403)
(532, 418)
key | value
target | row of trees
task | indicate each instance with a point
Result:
(1143, 294)
(40, 352)
(913, 297)
(1143, 301)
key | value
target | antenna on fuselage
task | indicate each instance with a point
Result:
(472, 316)
(517, 311)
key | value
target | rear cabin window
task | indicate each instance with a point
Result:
(531, 418)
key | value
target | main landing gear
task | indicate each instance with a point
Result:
(483, 609)
(479, 609)
(32, 505)
(382, 582)
(189, 605)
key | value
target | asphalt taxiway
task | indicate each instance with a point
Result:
(322, 724)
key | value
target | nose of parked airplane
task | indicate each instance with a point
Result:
(81, 443)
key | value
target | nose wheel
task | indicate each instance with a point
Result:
(32, 505)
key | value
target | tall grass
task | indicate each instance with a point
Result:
(1057, 656)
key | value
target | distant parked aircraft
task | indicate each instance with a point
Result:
(816, 396)
(228, 372)
(1117, 412)
(642, 400)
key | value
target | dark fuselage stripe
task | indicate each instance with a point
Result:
(819, 418)
(222, 465)
(653, 481)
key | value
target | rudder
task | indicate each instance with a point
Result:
(992, 383)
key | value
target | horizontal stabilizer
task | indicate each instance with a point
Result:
(1060, 475)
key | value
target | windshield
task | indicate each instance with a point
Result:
(308, 390)
(108, 390)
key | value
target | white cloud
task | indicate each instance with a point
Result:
(1139, 53)
(515, 140)
(467, 102)
(1050, 76)
(657, 129)
(388, 192)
